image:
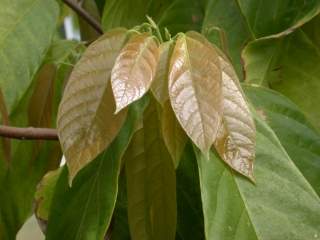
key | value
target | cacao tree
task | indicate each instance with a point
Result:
(176, 119)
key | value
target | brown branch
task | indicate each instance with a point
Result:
(82, 13)
(29, 133)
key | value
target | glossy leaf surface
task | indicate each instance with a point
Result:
(134, 69)
(86, 120)
(195, 90)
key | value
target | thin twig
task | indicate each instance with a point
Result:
(29, 133)
(82, 13)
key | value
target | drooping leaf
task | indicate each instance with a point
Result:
(86, 120)
(93, 192)
(173, 135)
(151, 183)
(134, 69)
(190, 224)
(290, 65)
(273, 208)
(195, 90)
(299, 139)
(159, 86)
(43, 197)
(235, 142)
(26, 29)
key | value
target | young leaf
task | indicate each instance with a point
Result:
(84, 211)
(86, 120)
(159, 85)
(134, 69)
(151, 183)
(235, 141)
(173, 135)
(195, 90)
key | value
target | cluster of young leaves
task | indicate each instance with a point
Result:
(196, 87)
(279, 44)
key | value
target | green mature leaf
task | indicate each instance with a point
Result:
(195, 90)
(86, 120)
(151, 183)
(84, 211)
(290, 65)
(225, 26)
(18, 182)
(273, 208)
(119, 227)
(301, 141)
(134, 69)
(26, 29)
(270, 17)
(176, 15)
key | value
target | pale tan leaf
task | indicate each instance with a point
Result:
(173, 135)
(86, 120)
(134, 69)
(159, 85)
(195, 90)
(236, 139)
(235, 142)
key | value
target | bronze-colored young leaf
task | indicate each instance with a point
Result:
(86, 120)
(173, 135)
(134, 69)
(151, 183)
(235, 142)
(195, 90)
(159, 85)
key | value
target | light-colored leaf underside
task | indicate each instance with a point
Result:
(235, 141)
(86, 120)
(195, 90)
(159, 85)
(134, 69)
(26, 29)
(151, 183)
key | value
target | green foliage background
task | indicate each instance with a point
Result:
(275, 49)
